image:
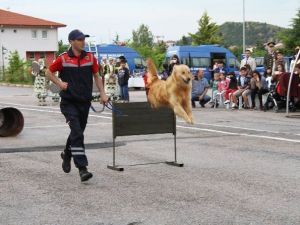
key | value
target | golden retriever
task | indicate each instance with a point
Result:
(175, 92)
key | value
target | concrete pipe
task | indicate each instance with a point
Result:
(11, 122)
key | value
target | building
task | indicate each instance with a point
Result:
(31, 37)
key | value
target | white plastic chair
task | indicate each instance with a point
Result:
(220, 98)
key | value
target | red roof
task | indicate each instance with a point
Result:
(9, 19)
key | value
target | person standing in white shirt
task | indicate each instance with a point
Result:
(248, 60)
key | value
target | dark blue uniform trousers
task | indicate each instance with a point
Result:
(76, 114)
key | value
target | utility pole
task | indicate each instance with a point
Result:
(3, 67)
(244, 28)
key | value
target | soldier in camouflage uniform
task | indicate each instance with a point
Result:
(269, 59)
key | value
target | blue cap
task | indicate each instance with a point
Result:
(76, 35)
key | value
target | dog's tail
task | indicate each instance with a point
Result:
(152, 72)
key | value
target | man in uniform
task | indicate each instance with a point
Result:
(269, 59)
(77, 69)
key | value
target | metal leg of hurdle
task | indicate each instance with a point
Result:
(175, 163)
(114, 166)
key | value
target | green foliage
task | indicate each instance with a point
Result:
(185, 40)
(142, 42)
(17, 71)
(256, 33)
(290, 37)
(208, 32)
(237, 51)
(142, 37)
(62, 47)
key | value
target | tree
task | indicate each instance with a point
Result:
(291, 36)
(208, 32)
(184, 41)
(16, 71)
(142, 37)
(62, 47)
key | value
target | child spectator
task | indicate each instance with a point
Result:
(268, 76)
(222, 86)
(243, 87)
(214, 87)
(123, 77)
(232, 87)
(248, 71)
(259, 86)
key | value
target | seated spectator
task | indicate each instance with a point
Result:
(165, 72)
(259, 86)
(249, 71)
(243, 89)
(199, 90)
(279, 71)
(268, 76)
(280, 60)
(232, 87)
(283, 83)
(214, 87)
(222, 86)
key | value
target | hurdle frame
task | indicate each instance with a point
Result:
(145, 107)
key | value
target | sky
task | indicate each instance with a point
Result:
(103, 19)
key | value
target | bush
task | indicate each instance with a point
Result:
(17, 71)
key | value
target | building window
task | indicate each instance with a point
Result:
(42, 55)
(34, 34)
(2, 30)
(15, 31)
(31, 56)
(44, 34)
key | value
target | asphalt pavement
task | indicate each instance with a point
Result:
(240, 168)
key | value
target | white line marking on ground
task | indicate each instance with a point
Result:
(241, 128)
(190, 128)
(56, 126)
(40, 107)
(241, 134)
(180, 121)
(57, 112)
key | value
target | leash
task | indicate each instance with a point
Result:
(109, 106)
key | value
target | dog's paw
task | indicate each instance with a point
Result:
(189, 121)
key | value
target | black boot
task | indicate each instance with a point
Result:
(66, 164)
(84, 174)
